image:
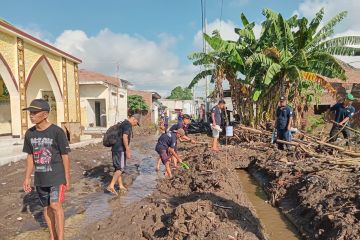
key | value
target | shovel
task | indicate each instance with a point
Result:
(184, 165)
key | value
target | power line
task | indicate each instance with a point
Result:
(221, 13)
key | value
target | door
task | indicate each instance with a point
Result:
(50, 98)
(97, 114)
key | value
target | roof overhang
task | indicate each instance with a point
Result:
(10, 29)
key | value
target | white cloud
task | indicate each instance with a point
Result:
(226, 31)
(149, 65)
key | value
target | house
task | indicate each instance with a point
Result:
(174, 107)
(103, 99)
(31, 68)
(156, 107)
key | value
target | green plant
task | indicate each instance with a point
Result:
(137, 104)
(180, 93)
(314, 122)
(292, 57)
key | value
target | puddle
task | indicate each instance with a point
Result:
(140, 167)
(144, 184)
(276, 226)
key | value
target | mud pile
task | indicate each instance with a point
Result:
(322, 199)
(204, 202)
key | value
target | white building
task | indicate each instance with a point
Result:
(173, 107)
(103, 99)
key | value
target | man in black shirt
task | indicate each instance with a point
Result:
(344, 111)
(216, 124)
(47, 148)
(121, 152)
(166, 146)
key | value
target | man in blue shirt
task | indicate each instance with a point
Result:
(180, 125)
(344, 111)
(216, 123)
(165, 147)
(284, 116)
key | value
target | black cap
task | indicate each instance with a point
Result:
(282, 98)
(38, 105)
(187, 116)
(222, 101)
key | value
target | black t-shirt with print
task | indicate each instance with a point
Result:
(47, 146)
(125, 128)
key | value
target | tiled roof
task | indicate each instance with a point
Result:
(88, 76)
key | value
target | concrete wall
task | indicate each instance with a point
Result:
(35, 55)
(146, 118)
(113, 100)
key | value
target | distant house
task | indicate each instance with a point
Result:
(103, 99)
(174, 107)
(156, 106)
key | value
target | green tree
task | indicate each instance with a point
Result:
(292, 57)
(136, 104)
(181, 93)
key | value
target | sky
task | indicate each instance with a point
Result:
(147, 41)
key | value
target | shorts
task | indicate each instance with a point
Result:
(216, 132)
(164, 155)
(119, 161)
(48, 195)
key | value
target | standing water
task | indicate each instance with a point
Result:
(276, 226)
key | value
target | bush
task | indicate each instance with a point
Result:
(314, 122)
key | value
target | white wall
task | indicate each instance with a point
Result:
(114, 106)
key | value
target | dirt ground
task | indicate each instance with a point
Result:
(205, 202)
(321, 199)
(91, 171)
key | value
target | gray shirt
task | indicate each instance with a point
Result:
(217, 112)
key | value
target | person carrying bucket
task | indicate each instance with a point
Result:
(216, 123)
(283, 119)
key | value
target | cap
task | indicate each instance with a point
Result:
(282, 98)
(38, 105)
(187, 116)
(181, 132)
(222, 101)
(350, 97)
(137, 116)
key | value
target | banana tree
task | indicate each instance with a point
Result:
(294, 51)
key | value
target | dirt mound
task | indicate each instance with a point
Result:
(201, 220)
(204, 202)
(321, 198)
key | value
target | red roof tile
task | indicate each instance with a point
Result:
(88, 76)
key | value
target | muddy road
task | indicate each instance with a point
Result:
(212, 200)
(87, 202)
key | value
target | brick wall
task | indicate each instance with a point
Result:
(146, 118)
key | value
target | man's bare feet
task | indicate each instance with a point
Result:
(112, 190)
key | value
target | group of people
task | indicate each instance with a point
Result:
(343, 111)
(47, 147)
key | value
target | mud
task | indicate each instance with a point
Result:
(205, 202)
(321, 199)
(86, 203)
